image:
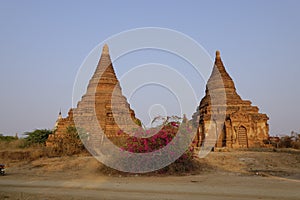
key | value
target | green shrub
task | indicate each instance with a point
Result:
(7, 138)
(36, 137)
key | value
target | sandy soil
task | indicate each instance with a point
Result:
(223, 175)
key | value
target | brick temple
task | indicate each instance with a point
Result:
(242, 126)
(103, 105)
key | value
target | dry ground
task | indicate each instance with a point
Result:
(223, 175)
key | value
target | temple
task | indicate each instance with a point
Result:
(102, 106)
(242, 125)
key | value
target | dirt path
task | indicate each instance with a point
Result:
(213, 186)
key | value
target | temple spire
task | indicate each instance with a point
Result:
(104, 102)
(220, 75)
(105, 49)
(218, 55)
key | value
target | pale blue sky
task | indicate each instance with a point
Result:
(43, 43)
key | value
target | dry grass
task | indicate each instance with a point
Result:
(41, 160)
(252, 162)
(14, 151)
(11, 145)
(236, 162)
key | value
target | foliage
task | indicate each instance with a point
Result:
(292, 141)
(145, 141)
(36, 137)
(287, 141)
(68, 144)
(295, 140)
(7, 138)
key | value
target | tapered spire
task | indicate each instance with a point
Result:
(218, 55)
(220, 79)
(104, 67)
(104, 100)
(220, 83)
(105, 49)
(219, 70)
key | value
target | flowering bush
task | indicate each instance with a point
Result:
(146, 141)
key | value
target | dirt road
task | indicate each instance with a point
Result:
(213, 186)
(223, 175)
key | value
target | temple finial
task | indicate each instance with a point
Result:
(59, 115)
(105, 49)
(218, 55)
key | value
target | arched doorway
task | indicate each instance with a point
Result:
(242, 136)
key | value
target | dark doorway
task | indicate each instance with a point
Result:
(242, 136)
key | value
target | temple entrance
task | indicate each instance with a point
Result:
(224, 137)
(242, 136)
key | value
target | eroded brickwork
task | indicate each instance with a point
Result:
(102, 107)
(242, 126)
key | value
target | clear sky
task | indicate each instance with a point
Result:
(43, 43)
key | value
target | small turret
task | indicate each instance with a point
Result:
(59, 118)
(59, 115)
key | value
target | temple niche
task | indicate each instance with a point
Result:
(241, 126)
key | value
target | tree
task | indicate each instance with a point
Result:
(38, 136)
(292, 141)
(7, 138)
(72, 142)
(295, 140)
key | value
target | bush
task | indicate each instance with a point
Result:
(158, 139)
(37, 137)
(296, 144)
(285, 142)
(292, 141)
(7, 138)
(68, 144)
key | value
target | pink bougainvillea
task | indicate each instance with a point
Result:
(145, 141)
